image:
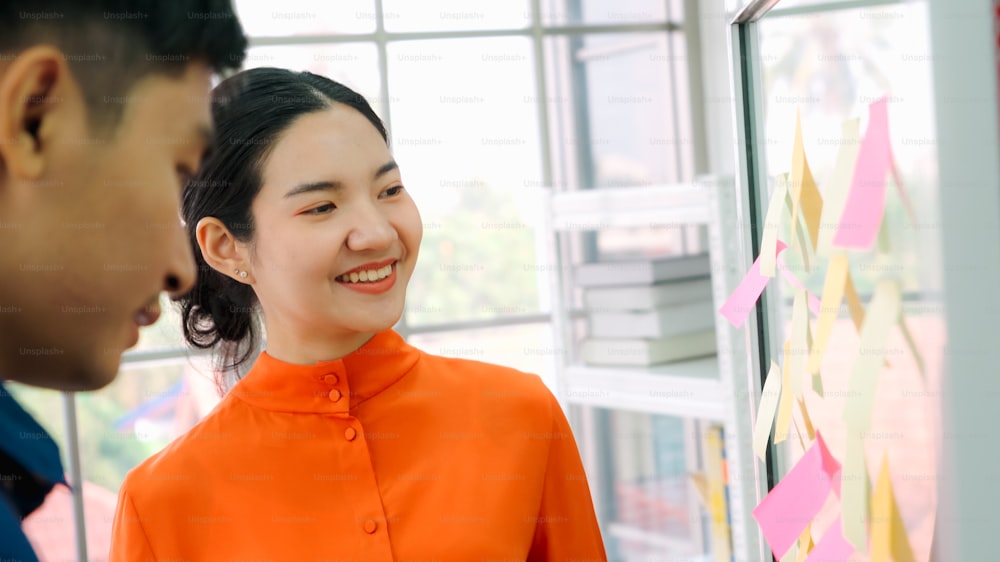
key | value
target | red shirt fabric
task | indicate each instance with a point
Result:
(387, 454)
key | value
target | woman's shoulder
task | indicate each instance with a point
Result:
(485, 382)
(189, 455)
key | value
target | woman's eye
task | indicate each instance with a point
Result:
(321, 210)
(393, 191)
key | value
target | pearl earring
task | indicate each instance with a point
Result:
(242, 274)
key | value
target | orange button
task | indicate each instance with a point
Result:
(331, 379)
(370, 526)
(350, 433)
(335, 395)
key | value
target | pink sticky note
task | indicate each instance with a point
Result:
(739, 304)
(865, 204)
(833, 547)
(814, 302)
(797, 498)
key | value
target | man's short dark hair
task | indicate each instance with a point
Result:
(110, 45)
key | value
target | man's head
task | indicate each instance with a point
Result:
(104, 111)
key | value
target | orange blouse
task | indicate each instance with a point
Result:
(386, 454)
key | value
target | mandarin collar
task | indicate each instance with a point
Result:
(334, 386)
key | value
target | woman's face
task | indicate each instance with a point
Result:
(331, 213)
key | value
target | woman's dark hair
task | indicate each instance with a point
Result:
(250, 111)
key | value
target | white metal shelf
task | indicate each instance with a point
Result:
(650, 206)
(701, 389)
(687, 389)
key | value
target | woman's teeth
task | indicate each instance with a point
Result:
(366, 276)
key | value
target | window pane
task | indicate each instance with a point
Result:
(562, 12)
(305, 17)
(353, 64)
(469, 155)
(829, 69)
(632, 93)
(642, 481)
(526, 347)
(437, 15)
(121, 425)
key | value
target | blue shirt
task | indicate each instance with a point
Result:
(29, 468)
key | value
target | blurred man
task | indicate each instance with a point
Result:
(104, 111)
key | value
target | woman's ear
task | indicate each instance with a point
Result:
(221, 250)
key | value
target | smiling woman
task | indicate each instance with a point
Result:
(342, 441)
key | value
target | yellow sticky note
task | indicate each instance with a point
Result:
(772, 226)
(810, 430)
(882, 315)
(854, 303)
(889, 539)
(806, 196)
(700, 486)
(854, 490)
(833, 294)
(805, 544)
(838, 188)
(785, 403)
(798, 234)
(798, 350)
(766, 410)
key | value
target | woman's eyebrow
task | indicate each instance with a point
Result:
(386, 168)
(314, 186)
(336, 185)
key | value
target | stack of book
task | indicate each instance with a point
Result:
(647, 312)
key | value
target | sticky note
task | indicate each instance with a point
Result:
(772, 226)
(805, 544)
(798, 433)
(889, 539)
(792, 504)
(810, 431)
(817, 381)
(839, 185)
(785, 403)
(865, 205)
(766, 409)
(911, 344)
(805, 195)
(791, 555)
(854, 491)
(700, 484)
(832, 547)
(814, 302)
(739, 304)
(799, 350)
(854, 305)
(799, 242)
(882, 315)
(833, 294)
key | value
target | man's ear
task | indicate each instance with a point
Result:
(33, 90)
(221, 250)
